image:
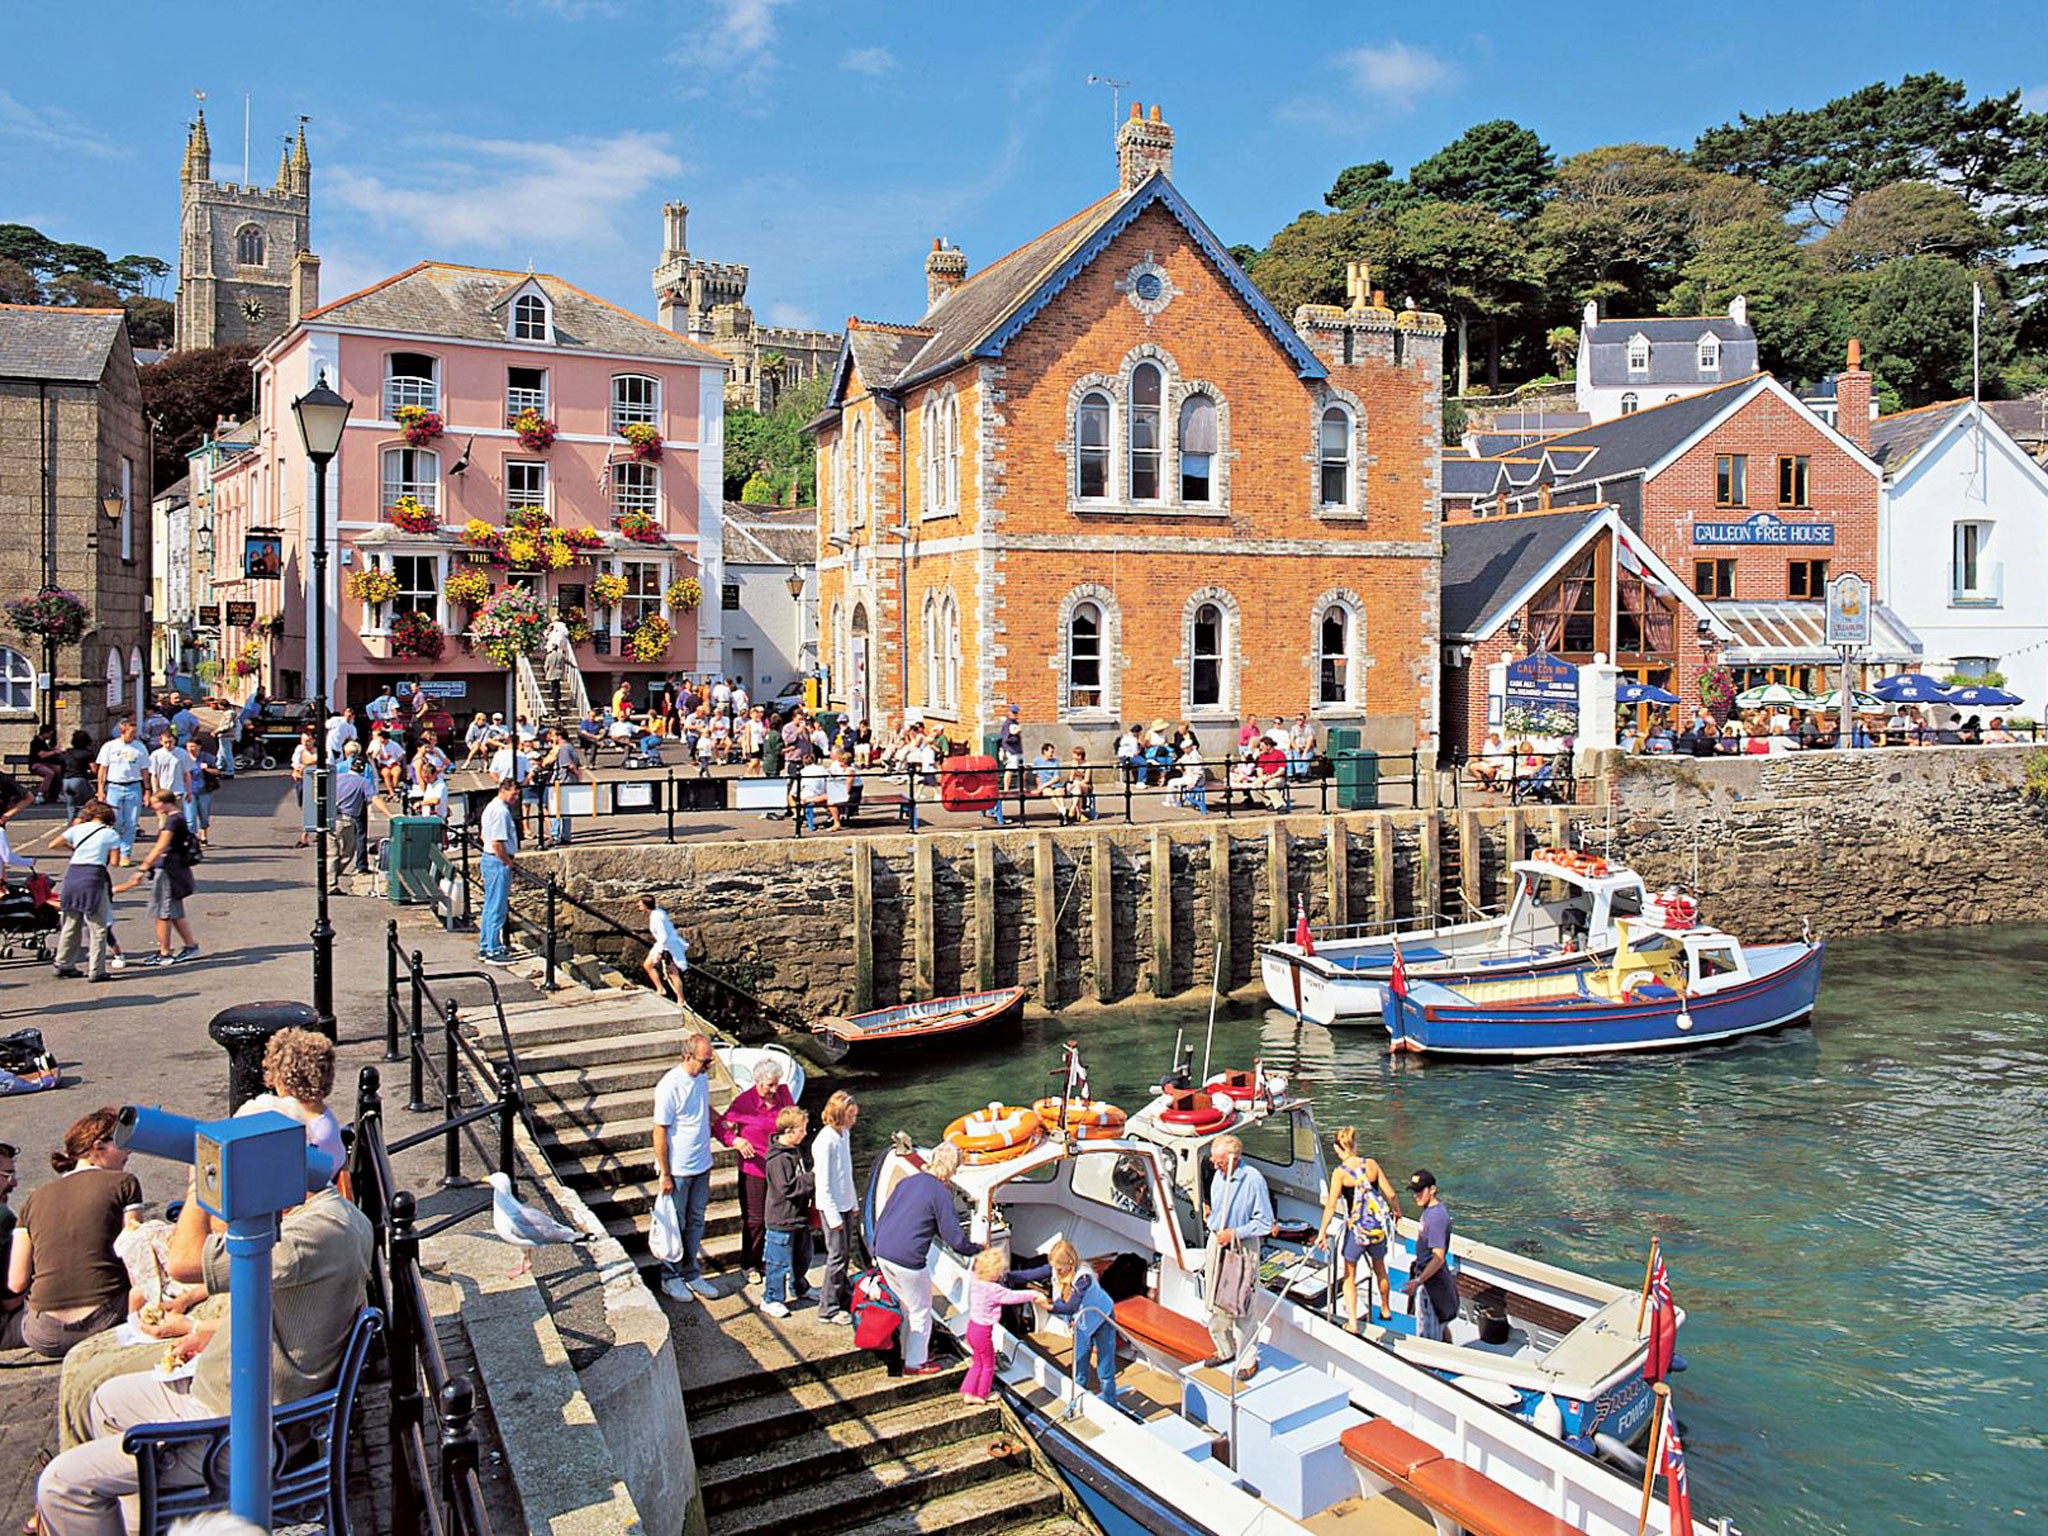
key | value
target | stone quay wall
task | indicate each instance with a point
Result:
(1859, 842)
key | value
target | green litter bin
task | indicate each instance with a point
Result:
(409, 856)
(1358, 771)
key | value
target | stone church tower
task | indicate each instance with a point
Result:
(245, 270)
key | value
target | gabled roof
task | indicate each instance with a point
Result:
(1470, 477)
(441, 299)
(1674, 354)
(177, 492)
(983, 315)
(770, 535)
(2025, 420)
(40, 341)
(1894, 439)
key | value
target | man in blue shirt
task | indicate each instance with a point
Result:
(183, 721)
(352, 792)
(501, 844)
(1240, 1217)
(1432, 1287)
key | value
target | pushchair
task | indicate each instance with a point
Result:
(29, 917)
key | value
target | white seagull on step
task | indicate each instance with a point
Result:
(526, 1226)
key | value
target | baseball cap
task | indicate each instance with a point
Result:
(1421, 1179)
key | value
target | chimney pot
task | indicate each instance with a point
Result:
(1854, 395)
(1155, 111)
(1143, 146)
(1136, 111)
(1855, 352)
(935, 243)
(944, 270)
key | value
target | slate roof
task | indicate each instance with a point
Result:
(1674, 354)
(1487, 561)
(2026, 421)
(1630, 444)
(1470, 477)
(1896, 438)
(39, 341)
(438, 298)
(179, 490)
(770, 535)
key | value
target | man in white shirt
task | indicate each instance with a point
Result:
(500, 834)
(510, 763)
(341, 730)
(170, 768)
(383, 709)
(122, 766)
(668, 956)
(721, 697)
(741, 703)
(682, 1151)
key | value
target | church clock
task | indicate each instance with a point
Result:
(252, 310)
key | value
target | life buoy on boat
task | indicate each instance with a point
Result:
(1083, 1119)
(995, 1134)
(1674, 910)
(1191, 1112)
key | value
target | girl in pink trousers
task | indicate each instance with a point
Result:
(986, 1298)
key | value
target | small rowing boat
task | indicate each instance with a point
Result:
(941, 1022)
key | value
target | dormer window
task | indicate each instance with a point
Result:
(531, 318)
(1710, 354)
(1639, 353)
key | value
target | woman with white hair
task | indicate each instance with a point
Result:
(919, 1213)
(748, 1126)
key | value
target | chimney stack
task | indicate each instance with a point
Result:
(944, 270)
(1853, 399)
(675, 231)
(1143, 145)
(305, 296)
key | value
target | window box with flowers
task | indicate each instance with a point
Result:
(529, 542)
(684, 596)
(608, 591)
(643, 439)
(248, 659)
(408, 516)
(649, 641)
(373, 587)
(536, 432)
(468, 588)
(52, 614)
(641, 527)
(416, 637)
(419, 425)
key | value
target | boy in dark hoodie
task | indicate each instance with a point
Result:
(786, 1253)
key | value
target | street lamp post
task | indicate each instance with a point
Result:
(322, 416)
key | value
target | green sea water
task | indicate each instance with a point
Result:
(1855, 1215)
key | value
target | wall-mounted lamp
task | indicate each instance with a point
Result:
(111, 503)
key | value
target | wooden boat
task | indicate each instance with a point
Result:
(1561, 917)
(940, 1022)
(1669, 984)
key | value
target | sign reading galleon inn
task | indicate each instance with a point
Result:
(1763, 529)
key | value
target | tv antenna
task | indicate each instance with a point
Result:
(1116, 97)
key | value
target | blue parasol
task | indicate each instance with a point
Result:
(1643, 693)
(1911, 688)
(1983, 696)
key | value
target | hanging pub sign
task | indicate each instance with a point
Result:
(241, 615)
(263, 554)
(1848, 622)
(1763, 529)
(209, 615)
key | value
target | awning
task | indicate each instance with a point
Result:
(1789, 633)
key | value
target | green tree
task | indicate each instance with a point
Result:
(1499, 165)
(77, 291)
(1562, 342)
(759, 491)
(1468, 262)
(151, 322)
(745, 434)
(1305, 262)
(1906, 218)
(1915, 326)
(186, 393)
(140, 275)
(1373, 187)
(18, 285)
(1763, 261)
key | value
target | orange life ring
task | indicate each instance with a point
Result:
(1085, 1119)
(999, 1132)
(1001, 1154)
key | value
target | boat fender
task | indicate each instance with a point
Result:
(1677, 1364)
(1547, 1416)
(1498, 1393)
(1613, 1451)
(1684, 1020)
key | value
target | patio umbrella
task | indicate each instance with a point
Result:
(1866, 703)
(1910, 688)
(1769, 695)
(1643, 693)
(1982, 696)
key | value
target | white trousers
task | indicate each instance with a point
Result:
(913, 1287)
(79, 1492)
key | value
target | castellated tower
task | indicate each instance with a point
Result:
(245, 265)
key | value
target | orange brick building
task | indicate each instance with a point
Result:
(1104, 480)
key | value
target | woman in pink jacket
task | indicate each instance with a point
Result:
(748, 1126)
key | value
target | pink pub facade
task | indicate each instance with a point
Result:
(509, 430)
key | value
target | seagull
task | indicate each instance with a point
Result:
(462, 462)
(526, 1226)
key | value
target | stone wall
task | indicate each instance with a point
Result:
(1856, 843)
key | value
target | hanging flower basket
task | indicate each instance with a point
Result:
(52, 614)
(468, 588)
(645, 441)
(420, 425)
(581, 631)
(641, 527)
(536, 432)
(650, 641)
(685, 595)
(271, 625)
(409, 516)
(418, 637)
(508, 626)
(247, 660)
(372, 585)
(608, 590)
(1717, 690)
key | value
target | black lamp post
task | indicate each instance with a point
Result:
(322, 417)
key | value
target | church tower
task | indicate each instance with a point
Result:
(245, 265)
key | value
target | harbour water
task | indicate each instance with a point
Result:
(1855, 1215)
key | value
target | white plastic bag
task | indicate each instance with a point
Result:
(665, 1236)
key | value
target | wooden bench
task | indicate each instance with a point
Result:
(1165, 1330)
(1449, 1488)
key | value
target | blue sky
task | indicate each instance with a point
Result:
(824, 144)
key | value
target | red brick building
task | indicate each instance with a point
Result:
(1701, 532)
(1103, 479)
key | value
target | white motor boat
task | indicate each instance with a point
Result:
(1562, 915)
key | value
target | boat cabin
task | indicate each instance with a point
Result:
(1571, 899)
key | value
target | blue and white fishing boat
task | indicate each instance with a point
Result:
(1562, 916)
(1669, 984)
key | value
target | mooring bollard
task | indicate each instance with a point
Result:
(244, 1032)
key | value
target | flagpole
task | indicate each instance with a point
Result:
(1976, 317)
(1215, 985)
(1649, 1269)
(1658, 1415)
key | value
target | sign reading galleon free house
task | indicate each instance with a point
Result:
(1763, 529)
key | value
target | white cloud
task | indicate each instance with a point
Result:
(793, 316)
(53, 128)
(737, 40)
(1394, 71)
(869, 61)
(506, 200)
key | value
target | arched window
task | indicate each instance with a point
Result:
(1145, 393)
(249, 246)
(952, 497)
(942, 653)
(1084, 657)
(860, 471)
(1206, 641)
(411, 378)
(933, 652)
(1630, 404)
(839, 481)
(1335, 637)
(1091, 438)
(635, 397)
(1333, 458)
(932, 455)
(17, 683)
(414, 472)
(949, 634)
(1197, 449)
(529, 318)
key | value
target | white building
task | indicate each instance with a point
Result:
(1625, 366)
(1963, 544)
(771, 633)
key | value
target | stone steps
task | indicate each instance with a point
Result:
(821, 1452)
(858, 1497)
(610, 1063)
(1022, 1504)
(720, 1432)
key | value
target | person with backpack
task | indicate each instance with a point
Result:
(1372, 1210)
(168, 867)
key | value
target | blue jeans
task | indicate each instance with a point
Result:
(775, 1251)
(692, 1195)
(202, 810)
(1095, 1358)
(126, 799)
(490, 928)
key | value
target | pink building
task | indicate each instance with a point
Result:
(435, 480)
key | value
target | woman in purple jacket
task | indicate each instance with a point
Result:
(748, 1126)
